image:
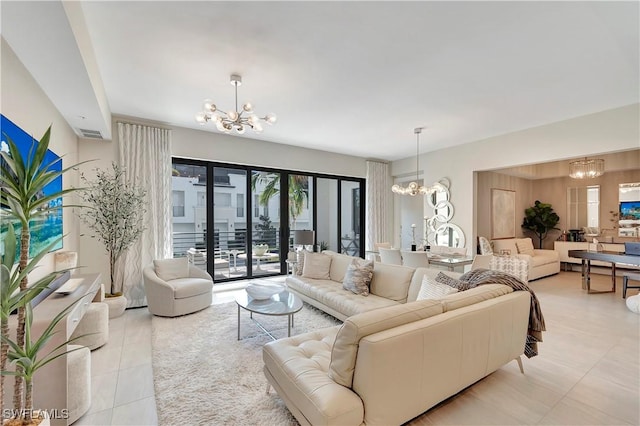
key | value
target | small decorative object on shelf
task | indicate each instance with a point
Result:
(413, 237)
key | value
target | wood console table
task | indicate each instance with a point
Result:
(604, 256)
(50, 382)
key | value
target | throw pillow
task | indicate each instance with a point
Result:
(485, 246)
(316, 265)
(171, 269)
(432, 289)
(300, 263)
(452, 282)
(525, 246)
(358, 277)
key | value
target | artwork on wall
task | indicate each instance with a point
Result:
(503, 213)
(46, 228)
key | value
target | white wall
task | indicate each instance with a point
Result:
(24, 103)
(607, 131)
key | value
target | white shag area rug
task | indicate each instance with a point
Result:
(203, 375)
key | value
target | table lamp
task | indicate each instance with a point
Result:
(303, 238)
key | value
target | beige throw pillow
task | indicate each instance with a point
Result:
(433, 290)
(171, 269)
(316, 265)
(525, 246)
(358, 277)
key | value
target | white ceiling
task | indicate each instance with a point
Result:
(356, 77)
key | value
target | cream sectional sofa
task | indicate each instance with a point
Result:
(388, 365)
(541, 262)
(390, 285)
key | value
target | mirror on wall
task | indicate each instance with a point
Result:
(438, 230)
(583, 208)
(629, 209)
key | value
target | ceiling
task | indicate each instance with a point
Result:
(349, 77)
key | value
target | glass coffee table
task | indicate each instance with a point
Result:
(283, 303)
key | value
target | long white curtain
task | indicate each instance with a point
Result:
(145, 154)
(378, 203)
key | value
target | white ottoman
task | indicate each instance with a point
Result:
(95, 325)
(78, 381)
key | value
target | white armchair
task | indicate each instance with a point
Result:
(174, 287)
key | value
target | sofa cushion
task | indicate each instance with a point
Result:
(445, 279)
(525, 246)
(332, 295)
(391, 281)
(339, 264)
(170, 269)
(298, 368)
(189, 287)
(358, 276)
(544, 257)
(345, 348)
(509, 244)
(316, 265)
(474, 295)
(300, 261)
(433, 290)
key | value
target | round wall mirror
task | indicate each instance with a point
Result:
(449, 235)
(442, 194)
(443, 211)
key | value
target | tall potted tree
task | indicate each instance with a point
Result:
(115, 213)
(540, 219)
(22, 184)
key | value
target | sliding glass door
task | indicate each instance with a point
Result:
(234, 222)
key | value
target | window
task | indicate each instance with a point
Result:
(256, 206)
(202, 199)
(178, 203)
(239, 205)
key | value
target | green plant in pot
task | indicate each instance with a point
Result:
(540, 219)
(28, 358)
(22, 181)
(114, 212)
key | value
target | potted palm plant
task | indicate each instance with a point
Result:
(27, 358)
(115, 213)
(22, 184)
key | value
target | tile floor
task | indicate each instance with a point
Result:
(588, 370)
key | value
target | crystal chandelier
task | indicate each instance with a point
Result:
(586, 169)
(414, 188)
(233, 120)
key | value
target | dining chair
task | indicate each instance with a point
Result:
(390, 255)
(415, 259)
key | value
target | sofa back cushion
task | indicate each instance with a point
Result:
(391, 281)
(317, 266)
(171, 269)
(473, 296)
(525, 246)
(345, 347)
(339, 264)
(508, 244)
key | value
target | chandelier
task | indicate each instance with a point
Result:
(586, 169)
(233, 120)
(414, 188)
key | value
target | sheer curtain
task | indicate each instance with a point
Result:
(145, 154)
(378, 203)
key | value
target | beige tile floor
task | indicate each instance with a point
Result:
(587, 373)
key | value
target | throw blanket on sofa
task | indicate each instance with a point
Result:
(536, 320)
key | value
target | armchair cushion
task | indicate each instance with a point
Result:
(171, 269)
(189, 287)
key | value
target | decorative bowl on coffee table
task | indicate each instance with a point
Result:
(263, 290)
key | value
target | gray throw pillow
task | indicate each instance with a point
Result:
(357, 279)
(443, 278)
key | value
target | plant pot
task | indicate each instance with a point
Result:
(117, 305)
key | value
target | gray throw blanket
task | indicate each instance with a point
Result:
(536, 320)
